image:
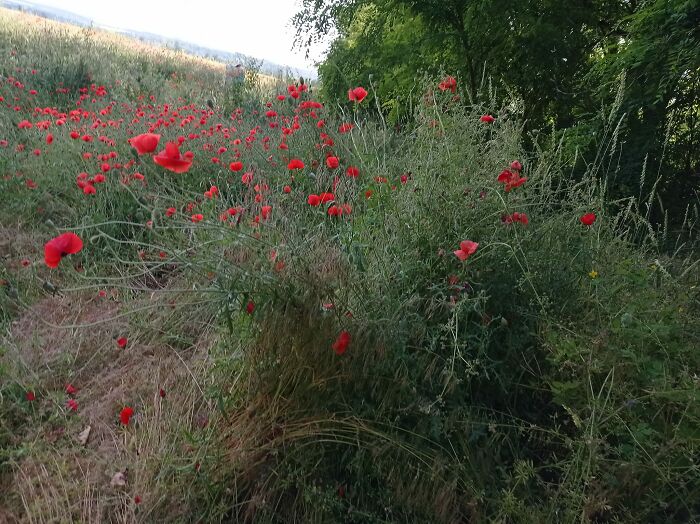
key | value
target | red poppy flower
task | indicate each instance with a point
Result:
(511, 179)
(122, 341)
(145, 143)
(250, 307)
(487, 119)
(466, 249)
(171, 159)
(326, 197)
(56, 248)
(332, 162)
(70, 389)
(125, 415)
(357, 95)
(449, 83)
(161, 393)
(588, 219)
(295, 163)
(352, 171)
(235, 166)
(517, 166)
(170, 211)
(287, 189)
(72, 404)
(341, 343)
(515, 217)
(30, 396)
(197, 218)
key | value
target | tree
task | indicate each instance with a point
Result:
(564, 60)
(657, 49)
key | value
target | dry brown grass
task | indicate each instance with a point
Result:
(71, 339)
(33, 24)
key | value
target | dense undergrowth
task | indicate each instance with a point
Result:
(351, 366)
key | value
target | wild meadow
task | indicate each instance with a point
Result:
(251, 305)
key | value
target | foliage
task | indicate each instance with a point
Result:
(512, 392)
(658, 55)
(563, 60)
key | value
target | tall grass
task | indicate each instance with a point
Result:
(514, 390)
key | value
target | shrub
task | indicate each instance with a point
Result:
(510, 386)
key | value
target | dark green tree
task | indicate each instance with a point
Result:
(564, 60)
(658, 50)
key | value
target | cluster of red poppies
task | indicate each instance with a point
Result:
(511, 178)
(235, 144)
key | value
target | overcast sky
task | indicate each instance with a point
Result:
(259, 28)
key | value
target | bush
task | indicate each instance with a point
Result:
(510, 386)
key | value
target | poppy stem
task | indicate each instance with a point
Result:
(229, 321)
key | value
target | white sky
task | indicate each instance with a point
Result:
(259, 28)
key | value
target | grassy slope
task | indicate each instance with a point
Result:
(47, 475)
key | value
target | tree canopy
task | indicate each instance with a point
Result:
(563, 60)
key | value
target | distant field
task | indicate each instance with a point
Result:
(36, 25)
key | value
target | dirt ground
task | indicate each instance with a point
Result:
(65, 472)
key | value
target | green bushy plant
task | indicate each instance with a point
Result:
(512, 386)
